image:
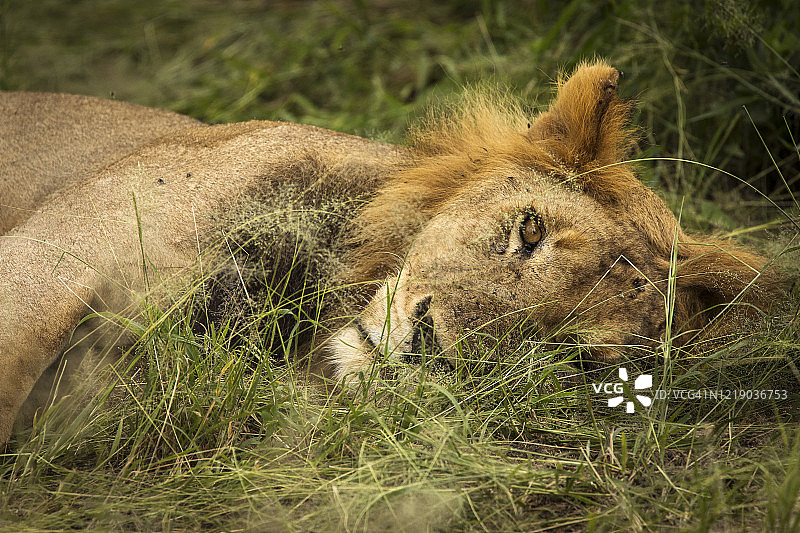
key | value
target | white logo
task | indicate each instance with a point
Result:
(645, 381)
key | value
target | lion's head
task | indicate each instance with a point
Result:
(540, 227)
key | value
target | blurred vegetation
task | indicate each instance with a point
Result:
(714, 78)
(215, 436)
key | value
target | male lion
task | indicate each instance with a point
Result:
(488, 222)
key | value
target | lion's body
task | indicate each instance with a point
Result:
(82, 250)
(452, 212)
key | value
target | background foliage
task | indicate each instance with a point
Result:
(217, 436)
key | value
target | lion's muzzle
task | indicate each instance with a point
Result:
(396, 326)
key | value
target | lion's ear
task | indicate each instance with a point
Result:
(723, 285)
(587, 125)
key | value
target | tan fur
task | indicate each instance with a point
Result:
(50, 141)
(440, 236)
(80, 251)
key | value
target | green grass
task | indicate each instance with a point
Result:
(214, 431)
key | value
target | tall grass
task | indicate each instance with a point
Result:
(209, 428)
(215, 433)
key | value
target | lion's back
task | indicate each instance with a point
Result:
(50, 142)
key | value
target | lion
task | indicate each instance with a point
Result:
(488, 221)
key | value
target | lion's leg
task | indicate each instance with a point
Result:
(43, 297)
(87, 347)
(40, 394)
(25, 356)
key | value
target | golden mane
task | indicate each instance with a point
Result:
(581, 139)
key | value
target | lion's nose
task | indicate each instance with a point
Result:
(423, 340)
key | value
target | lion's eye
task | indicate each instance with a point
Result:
(531, 232)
